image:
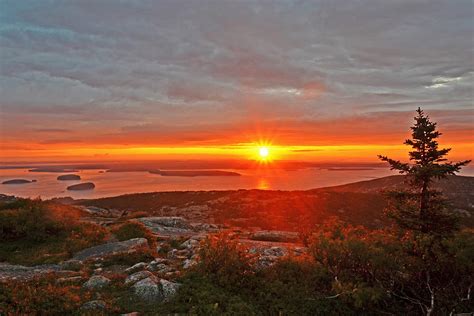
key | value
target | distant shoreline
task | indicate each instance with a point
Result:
(195, 173)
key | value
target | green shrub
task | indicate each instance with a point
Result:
(225, 261)
(39, 296)
(36, 232)
(134, 229)
(201, 296)
(32, 221)
(84, 235)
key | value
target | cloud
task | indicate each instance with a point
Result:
(52, 130)
(441, 82)
(186, 72)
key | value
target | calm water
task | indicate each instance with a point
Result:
(117, 183)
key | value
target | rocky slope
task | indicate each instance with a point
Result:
(360, 203)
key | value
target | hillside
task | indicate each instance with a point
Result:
(451, 185)
(360, 203)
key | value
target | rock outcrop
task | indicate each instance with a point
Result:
(102, 212)
(274, 235)
(96, 282)
(167, 226)
(153, 290)
(138, 276)
(168, 289)
(148, 290)
(136, 267)
(94, 305)
(19, 272)
(113, 248)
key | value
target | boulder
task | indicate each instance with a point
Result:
(168, 221)
(275, 252)
(205, 227)
(13, 271)
(94, 305)
(136, 267)
(269, 256)
(113, 248)
(148, 290)
(189, 263)
(275, 235)
(138, 276)
(298, 251)
(172, 254)
(190, 244)
(157, 264)
(162, 268)
(68, 177)
(74, 279)
(167, 226)
(151, 290)
(102, 212)
(96, 282)
(81, 186)
(169, 289)
(74, 265)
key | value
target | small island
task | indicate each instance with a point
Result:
(68, 177)
(81, 186)
(18, 181)
(52, 169)
(194, 173)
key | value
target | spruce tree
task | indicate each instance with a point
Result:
(421, 208)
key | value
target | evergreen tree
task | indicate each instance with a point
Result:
(423, 209)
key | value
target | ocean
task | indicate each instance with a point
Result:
(118, 183)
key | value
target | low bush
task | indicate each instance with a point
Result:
(225, 261)
(40, 295)
(35, 232)
(351, 271)
(290, 287)
(31, 221)
(84, 235)
(144, 254)
(134, 229)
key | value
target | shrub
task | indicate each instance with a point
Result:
(225, 261)
(36, 232)
(201, 296)
(134, 229)
(39, 296)
(32, 221)
(84, 235)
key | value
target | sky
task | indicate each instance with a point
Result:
(314, 80)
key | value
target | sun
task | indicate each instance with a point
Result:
(263, 152)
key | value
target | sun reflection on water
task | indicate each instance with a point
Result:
(263, 184)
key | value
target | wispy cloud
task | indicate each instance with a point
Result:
(220, 72)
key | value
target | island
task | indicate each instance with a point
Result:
(18, 181)
(52, 169)
(194, 173)
(67, 177)
(81, 186)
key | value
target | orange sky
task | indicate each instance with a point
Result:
(316, 80)
(308, 146)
